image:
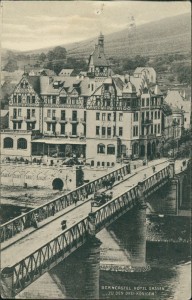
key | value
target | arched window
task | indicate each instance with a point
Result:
(22, 143)
(110, 149)
(8, 143)
(101, 148)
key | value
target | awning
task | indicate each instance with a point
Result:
(57, 141)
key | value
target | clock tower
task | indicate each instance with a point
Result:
(98, 65)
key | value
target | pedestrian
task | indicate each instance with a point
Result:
(53, 209)
(118, 177)
(153, 168)
(35, 224)
(75, 199)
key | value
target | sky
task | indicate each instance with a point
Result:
(29, 25)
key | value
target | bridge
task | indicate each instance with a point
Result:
(27, 253)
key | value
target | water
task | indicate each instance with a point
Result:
(169, 277)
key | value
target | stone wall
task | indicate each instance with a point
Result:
(37, 175)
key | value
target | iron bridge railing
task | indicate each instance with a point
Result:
(18, 224)
(48, 256)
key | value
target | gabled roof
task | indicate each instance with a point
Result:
(175, 99)
(34, 81)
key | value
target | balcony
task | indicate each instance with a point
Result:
(30, 119)
(16, 118)
(74, 120)
(50, 119)
(146, 122)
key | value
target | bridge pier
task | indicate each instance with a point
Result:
(7, 291)
(92, 268)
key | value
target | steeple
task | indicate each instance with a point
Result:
(101, 41)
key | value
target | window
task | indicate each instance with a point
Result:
(97, 116)
(109, 131)
(155, 131)
(97, 130)
(135, 117)
(108, 164)
(109, 117)
(33, 113)
(152, 129)
(74, 129)
(74, 115)
(54, 100)
(19, 99)
(14, 99)
(53, 114)
(103, 130)
(158, 114)
(155, 114)
(103, 116)
(19, 125)
(62, 128)
(48, 113)
(14, 126)
(8, 142)
(158, 128)
(33, 99)
(135, 130)
(111, 149)
(152, 115)
(120, 131)
(147, 102)
(92, 87)
(143, 102)
(101, 148)
(63, 100)
(28, 99)
(19, 112)
(22, 143)
(48, 127)
(114, 116)
(63, 115)
(120, 117)
(14, 113)
(98, 164)
(147, 115)
(103, 163)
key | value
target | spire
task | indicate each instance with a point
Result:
(101, 40)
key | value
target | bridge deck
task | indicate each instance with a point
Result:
(17, 250)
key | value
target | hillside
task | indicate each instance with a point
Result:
(169, 35)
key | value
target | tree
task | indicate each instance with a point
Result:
(42, 56)
(50, 55)
(60, 52)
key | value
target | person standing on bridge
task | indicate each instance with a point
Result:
(53, 209)
(75, 199)
(153, 168)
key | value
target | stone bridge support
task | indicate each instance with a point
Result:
(129, 232)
